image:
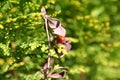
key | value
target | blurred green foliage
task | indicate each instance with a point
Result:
(92, 25)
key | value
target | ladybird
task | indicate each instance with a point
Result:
(61, 39)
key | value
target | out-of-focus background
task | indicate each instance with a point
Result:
(93, 27)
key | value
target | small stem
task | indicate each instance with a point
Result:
(49, 44)
(46, 79)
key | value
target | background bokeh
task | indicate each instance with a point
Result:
(93, 27)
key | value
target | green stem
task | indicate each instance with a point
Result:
(49, 43)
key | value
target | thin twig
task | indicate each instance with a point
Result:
(49, 43)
